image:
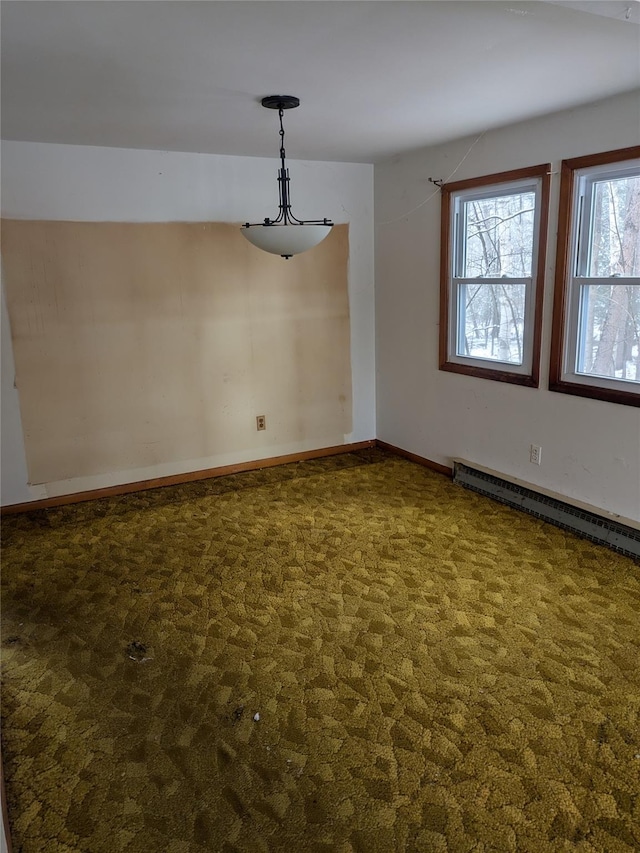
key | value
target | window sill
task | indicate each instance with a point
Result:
(490, 373)
(595, 392)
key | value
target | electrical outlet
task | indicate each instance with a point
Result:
(261, 422)
(535, 454)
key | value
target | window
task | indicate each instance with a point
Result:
(492, 270)
(596, 317)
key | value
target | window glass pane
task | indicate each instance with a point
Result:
(498, 236)
(491, 321)
(609, 331)
(615, 228)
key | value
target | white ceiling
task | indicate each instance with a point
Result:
(375, 78)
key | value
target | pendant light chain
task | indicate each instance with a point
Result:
(285, 201)
(281, 114)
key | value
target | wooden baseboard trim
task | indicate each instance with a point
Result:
(427, 463)
(179, 479)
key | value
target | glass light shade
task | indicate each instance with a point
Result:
(286, 239)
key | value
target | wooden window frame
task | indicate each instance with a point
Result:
(530, 379)
(563, 278)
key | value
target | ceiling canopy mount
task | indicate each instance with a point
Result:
(280, 102)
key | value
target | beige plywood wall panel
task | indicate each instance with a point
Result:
(142, 344)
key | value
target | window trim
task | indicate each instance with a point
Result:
(563, 276)
(529, 379)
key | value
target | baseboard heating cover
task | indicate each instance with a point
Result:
(622, 538)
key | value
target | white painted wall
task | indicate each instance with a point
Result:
(43, 181)
(13, 465)
(591, 449)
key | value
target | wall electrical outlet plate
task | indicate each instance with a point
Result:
(261, 422)
(535, 454)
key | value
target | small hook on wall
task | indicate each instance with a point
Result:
(437, 181)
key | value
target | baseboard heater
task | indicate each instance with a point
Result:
(578, 519)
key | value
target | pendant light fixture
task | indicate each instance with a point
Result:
(285, 235)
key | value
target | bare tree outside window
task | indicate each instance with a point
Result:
(498, 244)
(609, 342)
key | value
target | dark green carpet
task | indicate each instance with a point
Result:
(433, 671)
